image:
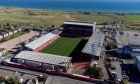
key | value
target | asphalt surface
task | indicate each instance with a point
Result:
(6, 70)
(64, 80)
(8, 45)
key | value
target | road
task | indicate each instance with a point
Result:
(54, 79)
(64, 80)
(8, 45)
(102, 64)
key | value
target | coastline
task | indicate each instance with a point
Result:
(70, 11)
(47, 17)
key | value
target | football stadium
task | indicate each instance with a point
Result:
(78, 41)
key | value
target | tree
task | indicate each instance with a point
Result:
(53, 26)
(42, 77)
(2, 78)
(96, 71)
(12, 80)
(111, 46)
(125, 80)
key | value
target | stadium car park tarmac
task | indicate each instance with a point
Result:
(8, 45)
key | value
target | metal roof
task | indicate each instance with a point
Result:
(94, 44)
(120, 46)
(84, 23)
(138, 58)
(134, 40)
(56, 31)
(44, 58)
(38, 42)
(128, 38)
(122, 40)
(136, 50)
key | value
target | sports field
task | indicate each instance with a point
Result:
(62, 46)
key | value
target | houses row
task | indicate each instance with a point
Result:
(5, 34)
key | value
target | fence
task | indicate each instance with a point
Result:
(73, 76)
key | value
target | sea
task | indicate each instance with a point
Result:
(108, 6)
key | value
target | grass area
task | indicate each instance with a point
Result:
(132, 17)
(49, 17)
(62, 46)
(7, 53)
(12, 36)
(132, 20)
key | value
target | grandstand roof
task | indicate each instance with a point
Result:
(44, 58)
(84, 23)
(56, 31)
(94, 44)
(38, 42)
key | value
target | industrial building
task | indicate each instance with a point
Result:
(128, 44)
(46, 62)
(43, 41)
(94, 45)
(78, 28)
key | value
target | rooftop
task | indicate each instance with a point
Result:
(36, 43)
(56, 31)
(2, 49)
(85, 23)
(94, 44)
(122, 40)
(132, 38)
(44, 58)
(136, 50)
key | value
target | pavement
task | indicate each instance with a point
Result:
(118, 70)
(102, 64)
(64, 80)
(8, 45)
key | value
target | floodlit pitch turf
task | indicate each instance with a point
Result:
(62, 46)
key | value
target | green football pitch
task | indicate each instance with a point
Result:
(62, 46)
